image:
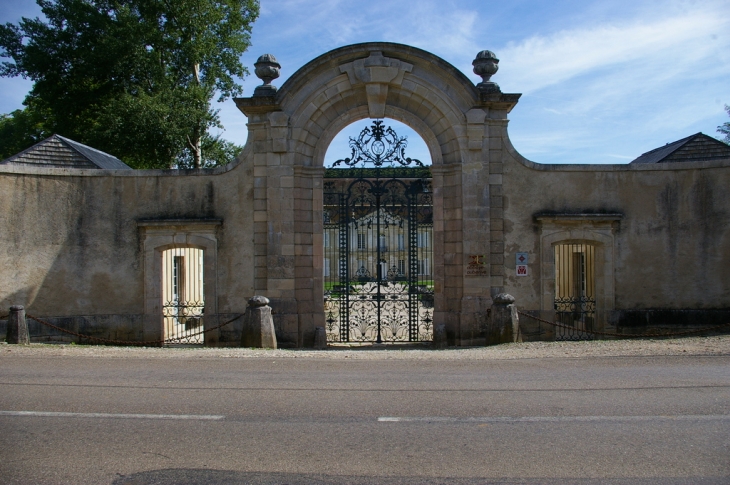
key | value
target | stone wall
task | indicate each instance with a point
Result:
(84, 245)
(72, 245)
(663, 228)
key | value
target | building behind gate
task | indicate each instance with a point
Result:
(595, 246)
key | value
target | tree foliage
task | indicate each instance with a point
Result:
(132, 77)
(21, 129)
(725, 127)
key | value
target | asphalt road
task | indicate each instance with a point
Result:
(625, 420)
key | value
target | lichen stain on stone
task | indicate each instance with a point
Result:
(668, 208)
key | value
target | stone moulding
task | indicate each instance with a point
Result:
(377, 72)
(161, 234)
(198, 223)
(376, 68)
(567, 217)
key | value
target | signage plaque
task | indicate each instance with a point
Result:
(477, 265)
(521, 260)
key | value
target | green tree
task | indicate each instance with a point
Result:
(132, 77)
(725, 127)
(21, 129)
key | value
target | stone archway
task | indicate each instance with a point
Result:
(289, 132)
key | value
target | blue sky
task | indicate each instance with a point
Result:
(602, 81)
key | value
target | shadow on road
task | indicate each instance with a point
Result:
(182, 476)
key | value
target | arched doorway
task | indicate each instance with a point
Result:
(290, 131)
(378, 249)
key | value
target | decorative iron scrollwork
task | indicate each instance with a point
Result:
(378, 145)
(183, 318)
(578, 315)
(575, 304)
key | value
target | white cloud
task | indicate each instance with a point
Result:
(437, 27)
(603, 81)
(664, 47)
(615, 90)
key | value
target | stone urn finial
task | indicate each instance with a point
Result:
(257, 301)
(486, 65)
(267, 69)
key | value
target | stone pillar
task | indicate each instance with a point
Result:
(258, 325)
(17, 326)
(504, 322)
(308, 252)
(448, 249)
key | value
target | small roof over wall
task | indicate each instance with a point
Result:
(59, 152)
(694, 148)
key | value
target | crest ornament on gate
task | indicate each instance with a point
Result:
(378, 145)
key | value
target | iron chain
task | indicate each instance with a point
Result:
(675, 334)
(131, 342)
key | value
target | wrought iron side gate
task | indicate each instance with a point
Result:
(575, 301)
(183, 295)
(378, 238)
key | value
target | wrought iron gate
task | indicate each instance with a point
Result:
(575, 301)
(183, 295)
(378, 238)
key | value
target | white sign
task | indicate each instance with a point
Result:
(521, 270)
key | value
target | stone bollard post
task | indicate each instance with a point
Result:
(258, 325)
(439, 336)
(17, 326)
(504, 322)
(320, 338)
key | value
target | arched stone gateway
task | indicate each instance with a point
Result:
(639, 245)
(462, 125)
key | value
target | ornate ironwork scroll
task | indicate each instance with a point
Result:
(578, 314)
(378, 235)
(378, 145)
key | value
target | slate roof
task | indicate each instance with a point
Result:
(694, 148)
(59, 152)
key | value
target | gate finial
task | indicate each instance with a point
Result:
(267, 69)
(486, 65)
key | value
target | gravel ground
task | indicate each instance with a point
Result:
(717, 345)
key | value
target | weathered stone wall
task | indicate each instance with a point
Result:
(670, 225)
(81, 245)
(71, 245)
